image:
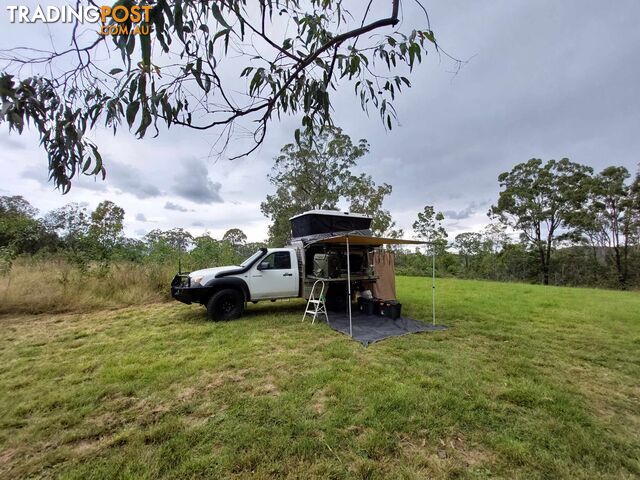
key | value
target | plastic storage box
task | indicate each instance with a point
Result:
(368, 306)
(390, 309)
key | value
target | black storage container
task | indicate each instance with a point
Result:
(390, 309)
(336, 298)
(314, 222)
(368, 306)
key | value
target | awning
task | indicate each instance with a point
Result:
(364, 238)
(356, 239)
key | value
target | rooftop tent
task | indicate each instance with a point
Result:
(317, 222)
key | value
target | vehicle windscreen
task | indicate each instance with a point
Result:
(251, 258)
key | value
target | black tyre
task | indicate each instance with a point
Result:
(227, 304)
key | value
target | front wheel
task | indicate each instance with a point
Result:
(227, 304)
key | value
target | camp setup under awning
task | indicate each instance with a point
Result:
(365, 238)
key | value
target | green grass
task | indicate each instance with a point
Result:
(528, 382)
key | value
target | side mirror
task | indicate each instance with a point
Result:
(263, 266)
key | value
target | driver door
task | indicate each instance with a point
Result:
(274, 277)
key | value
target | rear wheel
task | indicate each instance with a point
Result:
(227, 304)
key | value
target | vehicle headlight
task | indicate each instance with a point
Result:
(197, 279)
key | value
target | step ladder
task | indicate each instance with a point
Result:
(316, 303)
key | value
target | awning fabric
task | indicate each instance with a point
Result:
(358, 238)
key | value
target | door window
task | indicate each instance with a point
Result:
(276, 261)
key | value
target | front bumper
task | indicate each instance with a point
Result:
(182, 290)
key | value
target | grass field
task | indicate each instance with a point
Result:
(528, 382)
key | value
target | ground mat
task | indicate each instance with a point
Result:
(372, 328)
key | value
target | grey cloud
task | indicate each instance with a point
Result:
(129, 179)
(41, 175)
(514, 100)
(197, 223)
(193, 183)
(468, 211)
(140, 217)
(176, 207)
(91, 183)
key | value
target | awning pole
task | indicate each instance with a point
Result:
(349, 287)
(433, 284)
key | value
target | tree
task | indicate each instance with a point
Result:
(495, 237)
(130, 249)
(16, 206)
(469, 244)
(538, 200)
(167, 246)
(235, 237)
(607, 219)
(428, 227)
(176, 238)
(209, 252)
(223, 65)
(71, 223)
(20, 230)
(634, 190)
(106, 226)
(316, 174)
(366, 197)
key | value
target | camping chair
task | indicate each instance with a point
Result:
(316, 304)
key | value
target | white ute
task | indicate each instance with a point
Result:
(318, 251)
(268, 274)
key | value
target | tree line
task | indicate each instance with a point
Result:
(554, 222)
(575, 227)
(94, 240)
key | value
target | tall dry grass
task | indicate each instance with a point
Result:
(55, 286)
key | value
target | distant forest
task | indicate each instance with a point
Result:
(575, 228)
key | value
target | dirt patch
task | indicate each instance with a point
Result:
(88, 446)
(118, 401)
(202, 415)
(320, 400)
(471, 455)
(450, 451)
(186, 394)
(221, 379)
(6, 456)
(149, 414)
(268, 388)
(107, 420)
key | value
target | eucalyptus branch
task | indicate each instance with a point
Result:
(177, 74)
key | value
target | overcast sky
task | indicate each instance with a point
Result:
(545, 79)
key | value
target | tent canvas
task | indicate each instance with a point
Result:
(383, 262)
